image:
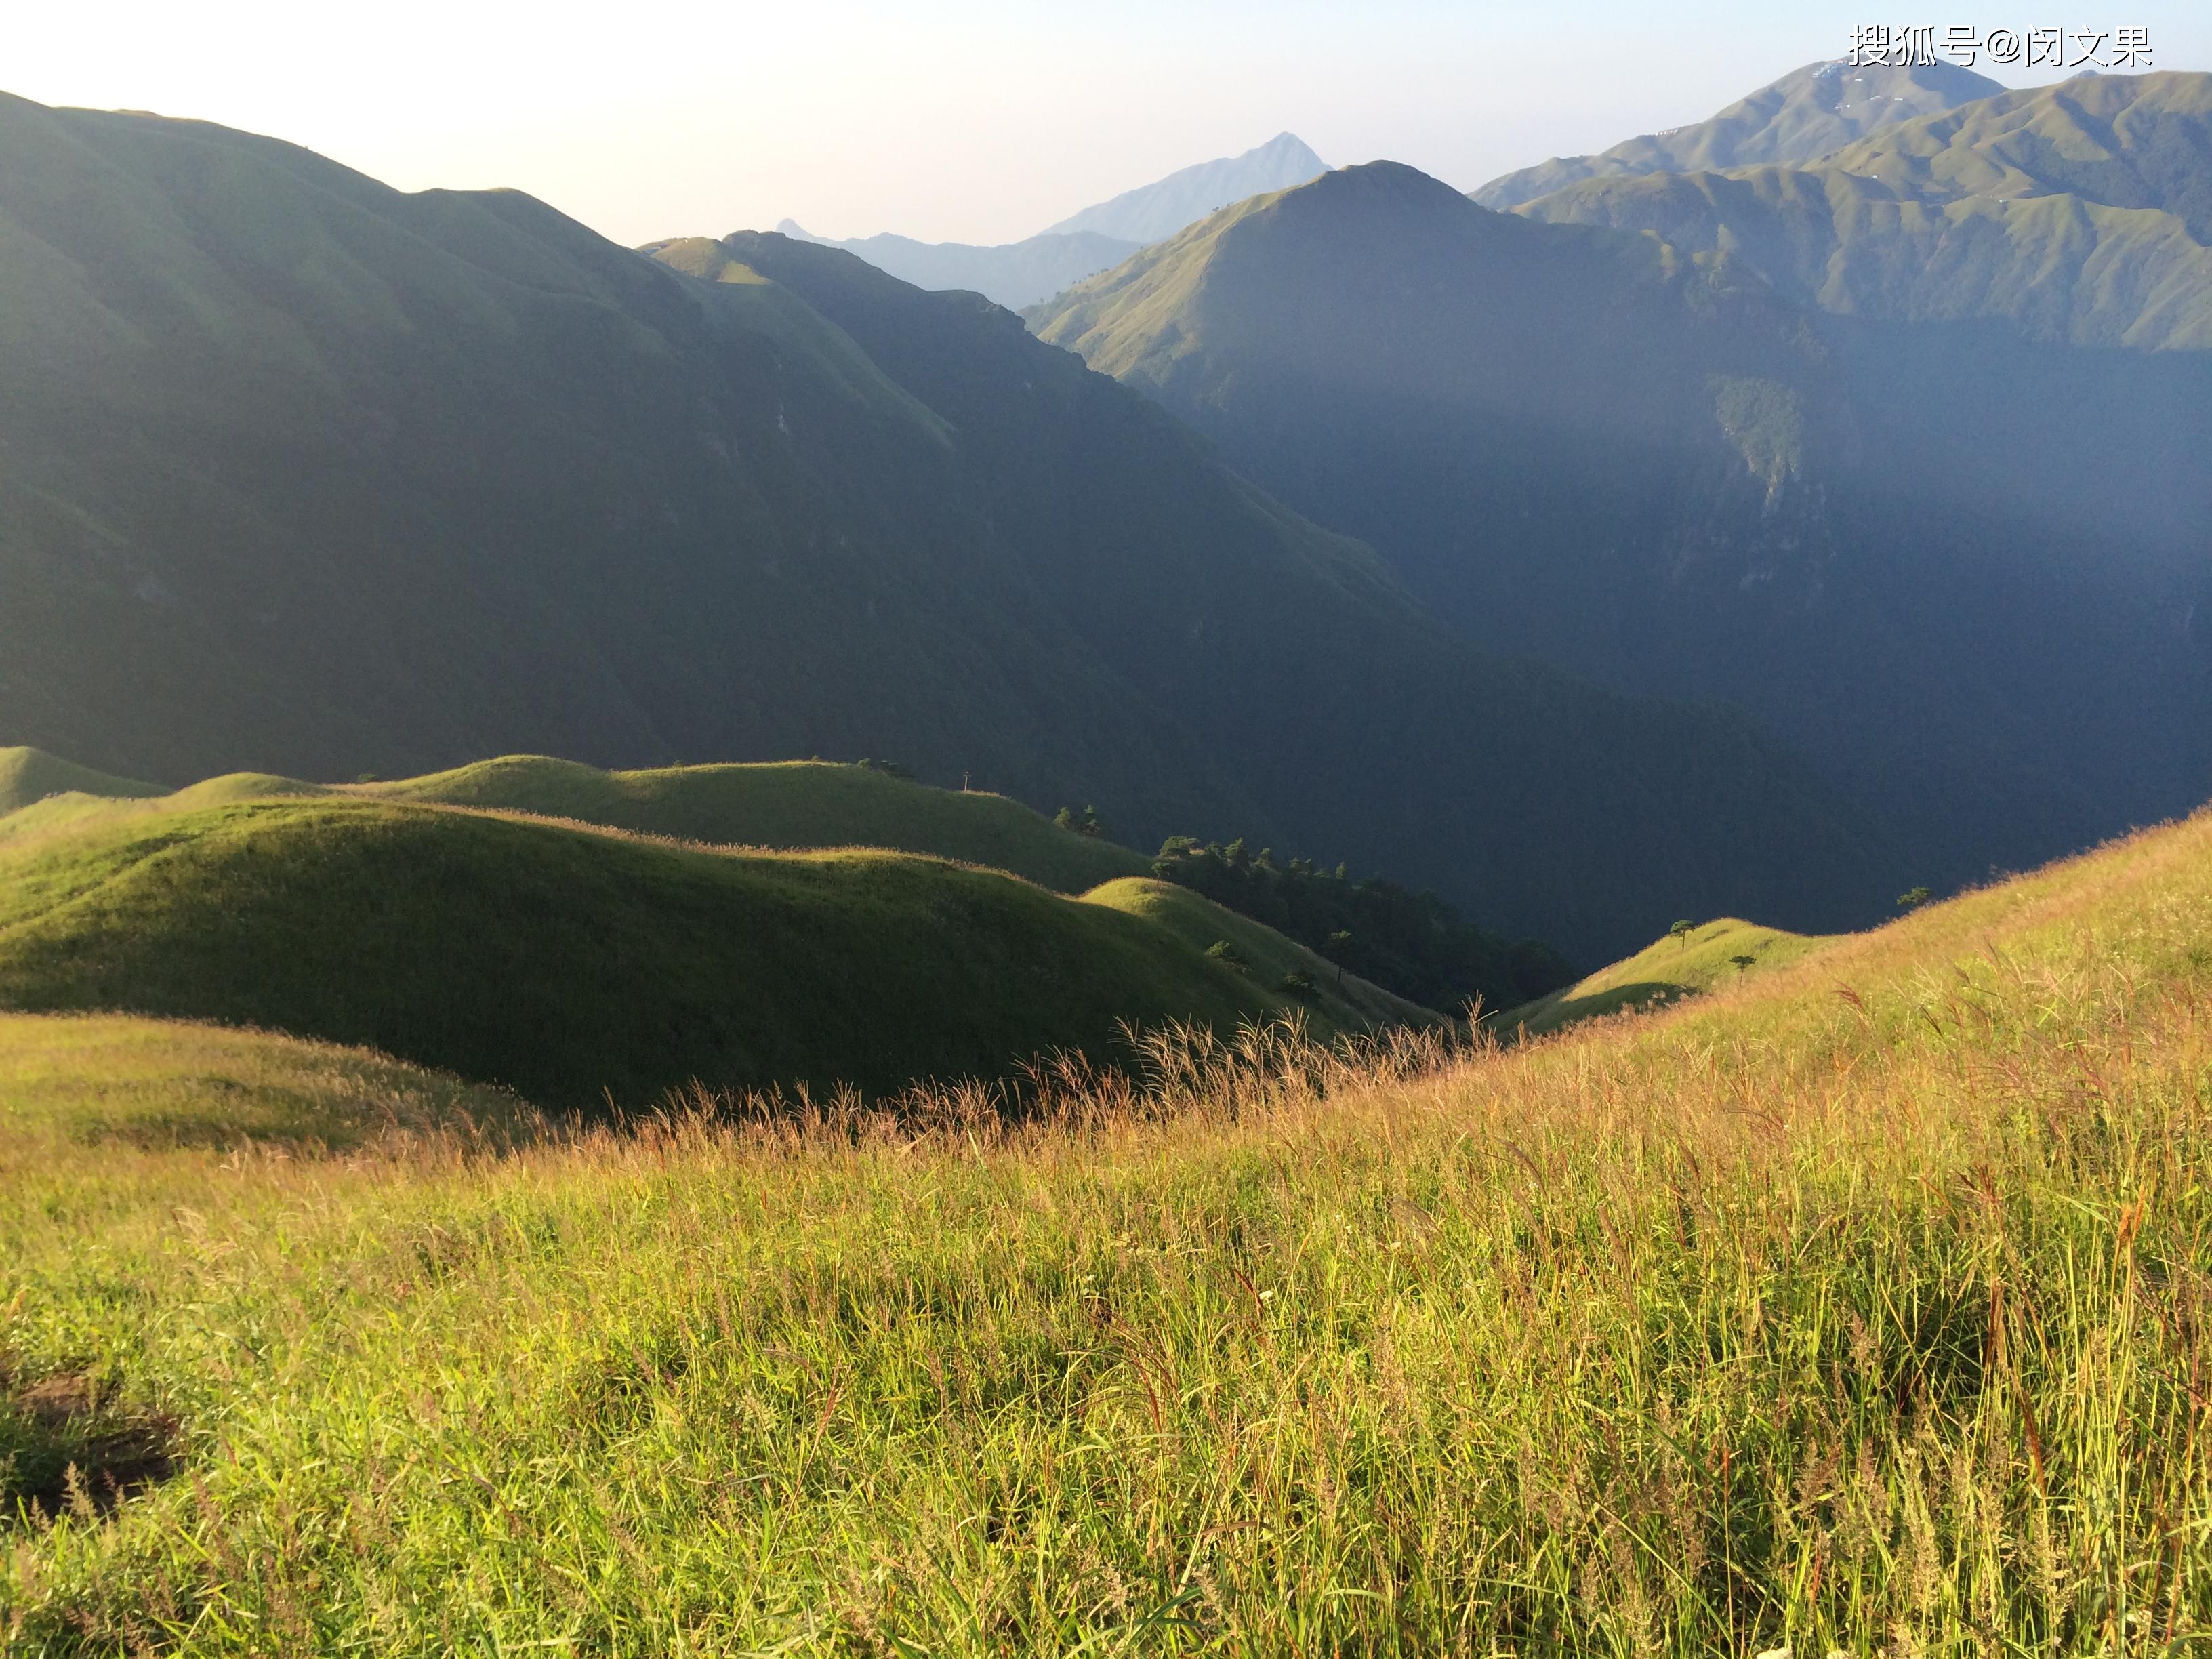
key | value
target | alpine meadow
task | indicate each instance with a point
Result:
(1329, 910)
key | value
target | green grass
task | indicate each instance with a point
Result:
(1703, 961)
(1861, 1308)
(794, 803)
(1346, 1002)
(72, 1080)
(577, 965)
(28, 775)
(781, 805)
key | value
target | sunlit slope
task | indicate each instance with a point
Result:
(797, 804)
(160, 1083)
(31, 775)
(781, 805)
(1719, 954)
(1267, 956)
(574, 965)
(1598, 1345)
(2127, 924)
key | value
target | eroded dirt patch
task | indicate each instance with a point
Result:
(69, 1441)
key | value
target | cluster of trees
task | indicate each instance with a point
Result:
(1413, 944)
(1088, 824)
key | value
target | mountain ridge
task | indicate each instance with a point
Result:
(2080, 213)
(1813, 110)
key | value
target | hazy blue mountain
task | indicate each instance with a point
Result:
(1018, 274)
(304, 475)
(1963, 572)
(1154, 210)
(2077, 213)
(1807, 114)
(1012, 274)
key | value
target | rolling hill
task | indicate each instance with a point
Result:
(817, 806)
(784, 806)
(1664, 472)
(1808, 112)
(31, 775)
(307, 476)
(1719, 955)
(581, 967)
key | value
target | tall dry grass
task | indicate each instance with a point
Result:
(1860, 1308)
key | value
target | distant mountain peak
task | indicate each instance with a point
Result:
(1159, 209)
(1018, 274)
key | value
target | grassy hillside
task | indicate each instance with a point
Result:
(1858, 1308)
(576, 966)
(794, 803)
(27, 776)
(1718, 955)
(1266, 957)
(781, 805)
(78, 1081)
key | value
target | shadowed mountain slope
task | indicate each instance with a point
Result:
(1806, 113)
(1312, 667)
(1662, 471)
(309, 477)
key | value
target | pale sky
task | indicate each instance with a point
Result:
(976, 121)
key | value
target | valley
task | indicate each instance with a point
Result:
(594, 1056)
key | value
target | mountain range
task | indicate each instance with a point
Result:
(303, 475)
(1954, 555)
(1017, 274)
(2078, 213)
(1808, 112)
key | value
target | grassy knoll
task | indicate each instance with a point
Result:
(31, 775)
(94, 1080)
(787, 804)
(574, 964)
(1711, 958)
(1269, 958)
(784, 804)
(1862, 1306)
